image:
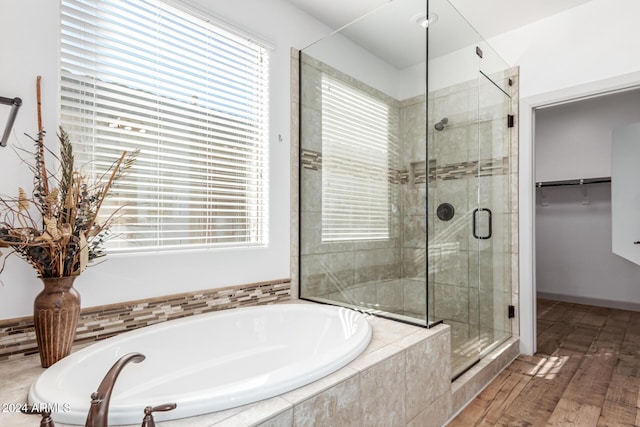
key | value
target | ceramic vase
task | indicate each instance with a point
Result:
(56, 311)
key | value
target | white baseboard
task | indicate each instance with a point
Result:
(624, 305)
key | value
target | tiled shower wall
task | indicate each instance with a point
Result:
(392, 273)
(355, 272)
(389, 275)
(462, 270)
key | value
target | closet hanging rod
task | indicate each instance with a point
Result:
(573, 182)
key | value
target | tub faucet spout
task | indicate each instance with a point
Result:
(99, 410)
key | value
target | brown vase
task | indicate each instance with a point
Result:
(55, 315)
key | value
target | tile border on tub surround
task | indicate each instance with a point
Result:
(17, 336)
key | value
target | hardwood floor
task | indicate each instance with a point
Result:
(586, 373)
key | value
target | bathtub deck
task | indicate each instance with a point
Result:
(412, 363)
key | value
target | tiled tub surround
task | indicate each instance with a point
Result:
(401, 379)
(17, 336)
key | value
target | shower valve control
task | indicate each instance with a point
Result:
(445, 211)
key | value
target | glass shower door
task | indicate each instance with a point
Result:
(470, 202)
(471, 272)
(493, 217)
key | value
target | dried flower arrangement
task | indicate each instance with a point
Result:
(56, 230)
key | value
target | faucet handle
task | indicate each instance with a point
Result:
(148, 421)
(46, 420)
(160, 408)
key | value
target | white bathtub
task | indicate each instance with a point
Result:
(208, 362)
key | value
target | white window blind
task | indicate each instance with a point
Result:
(356, 192)
(193, 97)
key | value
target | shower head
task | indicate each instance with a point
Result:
(440, 125)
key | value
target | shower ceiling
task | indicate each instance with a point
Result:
(491, 18)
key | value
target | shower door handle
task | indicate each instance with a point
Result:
(474, 222)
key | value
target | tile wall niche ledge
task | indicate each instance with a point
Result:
(17, 336)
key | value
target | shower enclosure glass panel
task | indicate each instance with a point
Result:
(363, 165)
(405, 179)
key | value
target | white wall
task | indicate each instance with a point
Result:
(588, 43)
(573, 140)
(29, 48)
(583, 51)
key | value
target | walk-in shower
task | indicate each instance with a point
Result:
(407, 187)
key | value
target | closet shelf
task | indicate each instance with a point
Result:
(572, 182)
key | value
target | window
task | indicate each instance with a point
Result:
(193, 97)
(356, 193)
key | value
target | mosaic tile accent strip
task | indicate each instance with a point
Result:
(17, 336)
(494, 167)
(421, 170)
(402, 177)
(491, 167)
(313, 160)
(398, 176)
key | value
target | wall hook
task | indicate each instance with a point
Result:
(15, 104)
